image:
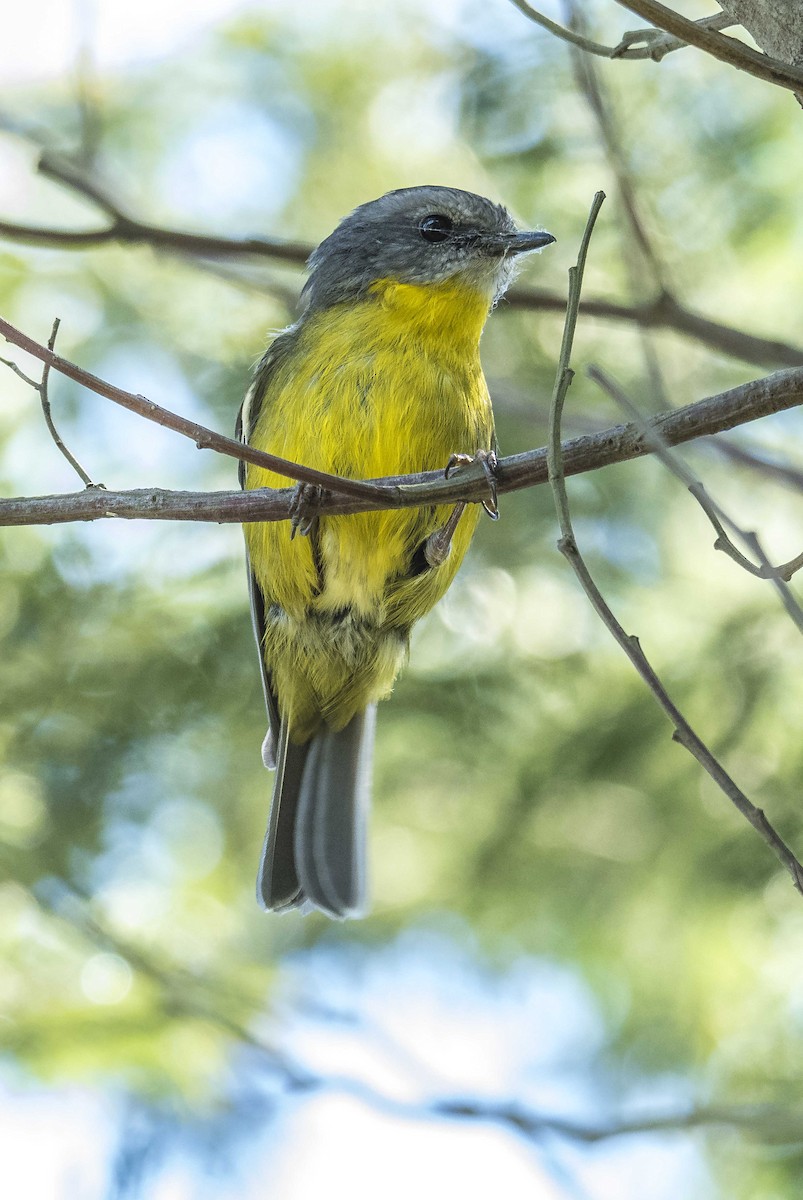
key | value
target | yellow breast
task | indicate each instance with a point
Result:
(390, 384)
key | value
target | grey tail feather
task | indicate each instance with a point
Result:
(278, 886)
(314, 855)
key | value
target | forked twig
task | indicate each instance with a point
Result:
(42, 388)
(656, 44)
(718, 45)
(205, 439)
(719, 519)
(683, 732)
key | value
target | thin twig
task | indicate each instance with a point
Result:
(41, 388)
(657, 45)
(205, 439)
(566, 35)
(564, 373)
(123, 227)
(12, 366)
(587, 76)
(683, 732)
(643, 264)
(718, 45)
(716, 514)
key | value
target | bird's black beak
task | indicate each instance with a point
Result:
(508, 244)
(535, 239)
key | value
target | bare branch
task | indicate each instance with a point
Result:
(201, 997)
(640, 256)
(42, 389)
(665, 312)
(662, 312)
(715, 414)
(683, 732)
(205, 439)
(656, 44)
(124, 228)
(715, 513)
(566, 35)
(718, 45)
(587, 76)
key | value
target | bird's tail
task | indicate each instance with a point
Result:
(314, 854)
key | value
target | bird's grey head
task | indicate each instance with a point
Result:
(419, 235)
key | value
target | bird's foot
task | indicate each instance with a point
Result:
(490, 464)
(304, 508)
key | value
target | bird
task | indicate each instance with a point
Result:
(380, 375)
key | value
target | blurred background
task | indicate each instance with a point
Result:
(581, 976)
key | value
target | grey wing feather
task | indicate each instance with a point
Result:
(246, 419)
(314, 850)
(278, 886)
(258, 624)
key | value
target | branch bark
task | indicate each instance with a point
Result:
(776, 25)
(205, 439)
(620, 443)
(664, 311)
(718, 45)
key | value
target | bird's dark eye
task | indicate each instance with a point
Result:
(435, 228)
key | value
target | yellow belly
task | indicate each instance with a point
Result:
(388, 385)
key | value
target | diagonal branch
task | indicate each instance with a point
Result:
(656, 46)
(780, 575)
(718, 45)
(205, 439)
(122, 227)
(683, 732)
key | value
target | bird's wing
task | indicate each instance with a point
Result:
(246, 421)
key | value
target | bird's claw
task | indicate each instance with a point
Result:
(490, 464)
(304, 507)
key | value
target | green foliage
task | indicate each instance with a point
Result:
(525, 780)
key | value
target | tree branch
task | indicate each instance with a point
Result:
(779, 575)
(665, 312)
(683, 732)
(201, 998)
(122, 227)
(662, 312)
(205, 439)
(620, 443)
(718, 45)
(656, 47)
(42, 389)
